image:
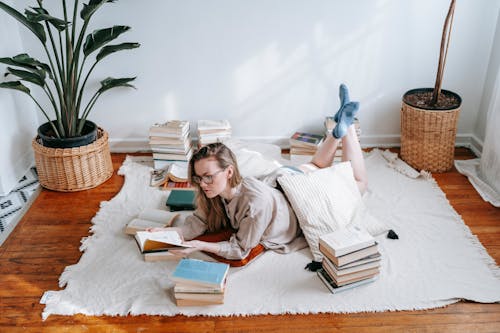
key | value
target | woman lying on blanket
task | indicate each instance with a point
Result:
(256, 211)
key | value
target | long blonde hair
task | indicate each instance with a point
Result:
(213, 208)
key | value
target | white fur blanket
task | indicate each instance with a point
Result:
(436, 261)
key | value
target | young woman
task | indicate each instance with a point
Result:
(257, 212)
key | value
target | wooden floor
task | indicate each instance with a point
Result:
(47, 239)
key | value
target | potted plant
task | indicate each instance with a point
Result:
(63, 80)
(429, 117)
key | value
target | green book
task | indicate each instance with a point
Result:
(181, 200)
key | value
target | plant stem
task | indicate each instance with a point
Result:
(80, 94)
(73, 28)
(61, 51)
(89, 107)
(70, 122)
(445, 41)
(50, 96)
(59, 92)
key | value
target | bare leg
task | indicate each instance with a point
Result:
(351, 151)
(323, 158)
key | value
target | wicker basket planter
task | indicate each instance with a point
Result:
(74, 169)
(428, 136)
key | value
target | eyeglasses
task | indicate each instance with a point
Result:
(207, 179)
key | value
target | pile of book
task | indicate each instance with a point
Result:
(199, 282)
(304, 145)
(330, 125)
(211, 131)
(351, 258)
(170, 141)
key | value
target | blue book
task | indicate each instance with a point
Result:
(200, 273)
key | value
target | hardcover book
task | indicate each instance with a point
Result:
(181, 200)
(308, 139)
(350, 278)
(349, 270)
(175, 127)
(332, 286)
(350, 257)
(201, 273)
(346, 240)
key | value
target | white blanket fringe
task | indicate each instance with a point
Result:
(393, 161)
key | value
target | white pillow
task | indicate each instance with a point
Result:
(325, 201)
(254, 164)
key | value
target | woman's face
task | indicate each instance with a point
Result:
(214, 180)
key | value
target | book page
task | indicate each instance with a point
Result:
(178, 170)
(158, 177)
(168, 237)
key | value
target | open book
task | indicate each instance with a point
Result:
(175, 172)
(150, 218)
(159, 241)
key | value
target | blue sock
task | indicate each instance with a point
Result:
(345, 119)
(344, 99)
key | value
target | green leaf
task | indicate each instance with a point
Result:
(110, 82)
(40, 14)
(25, 61)
(35, 27)
(90, 8)
(16, 85)
(107, 50)
(101, 37)
(37, 77)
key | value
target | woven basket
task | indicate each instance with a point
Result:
(428, 137)
(74, 169)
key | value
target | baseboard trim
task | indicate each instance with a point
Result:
(138, 145)
(476, 145)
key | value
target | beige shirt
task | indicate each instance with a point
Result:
(260, 214)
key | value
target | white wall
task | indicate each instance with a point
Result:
(273, 66)
(18, 118)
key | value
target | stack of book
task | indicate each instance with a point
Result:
(330, 125)
(351, 258)
(169, 142)
(303, 146)
(210, 131)
(199, 282)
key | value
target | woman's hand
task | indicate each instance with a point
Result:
(196, 245)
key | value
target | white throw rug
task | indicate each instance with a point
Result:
(435, 262)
